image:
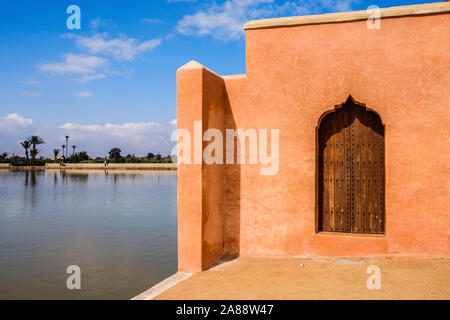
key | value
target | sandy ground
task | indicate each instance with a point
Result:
(262, 278)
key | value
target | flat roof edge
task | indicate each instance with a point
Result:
(412, 10)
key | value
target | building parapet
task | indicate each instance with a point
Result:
(403, 11)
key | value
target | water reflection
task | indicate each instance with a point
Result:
(27, 178)
(33, 178)
(119, 227)
(79, 176)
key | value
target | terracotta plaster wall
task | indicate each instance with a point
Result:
(296, 74)
(213, 218)
(200, 98)
(189, 180)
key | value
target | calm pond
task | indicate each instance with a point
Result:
(119, 228)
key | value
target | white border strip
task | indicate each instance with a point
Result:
(162, 286)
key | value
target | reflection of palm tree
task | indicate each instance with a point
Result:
(34, 141)
(26, 145)
(63, 147)
(73, 149)
(56, 152)
(33, 178)
(67, 146)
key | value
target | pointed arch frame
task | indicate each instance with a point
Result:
(317, 147)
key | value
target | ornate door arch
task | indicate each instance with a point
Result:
(351, 170)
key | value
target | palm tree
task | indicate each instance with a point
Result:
(73, 149)
(56, 152)
(34, 141)
(26, 145)
(63, 147)
(67, 146)
(34, 152)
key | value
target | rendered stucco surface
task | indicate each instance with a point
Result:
(294, 75)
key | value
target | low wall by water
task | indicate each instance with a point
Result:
(113, 166)
(26, 168)
(4, 165)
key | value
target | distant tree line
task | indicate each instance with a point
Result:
(115, 156)
(31, 144)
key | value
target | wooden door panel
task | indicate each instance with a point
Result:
(351, 171)
(335, 173)
(367, 172)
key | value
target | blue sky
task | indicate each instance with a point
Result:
(113, 83)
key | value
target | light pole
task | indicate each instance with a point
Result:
(67, 146)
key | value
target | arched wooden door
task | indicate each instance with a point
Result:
(351, 171)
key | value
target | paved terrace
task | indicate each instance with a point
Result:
(264, 278)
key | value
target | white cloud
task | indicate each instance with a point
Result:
(98, 23)
(83, 94)
(74, 64)
(88, 67)
(87, 78)
(225, 21)
(113, 129)
(173, 122)
(151, 20)
(30, 93)
(77, 64)
(30, 82)
(14, 127)
(15, 119)
(122, 48)
(131, 137)
(96, 139)
(338, 5)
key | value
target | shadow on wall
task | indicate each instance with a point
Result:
(232, 195)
